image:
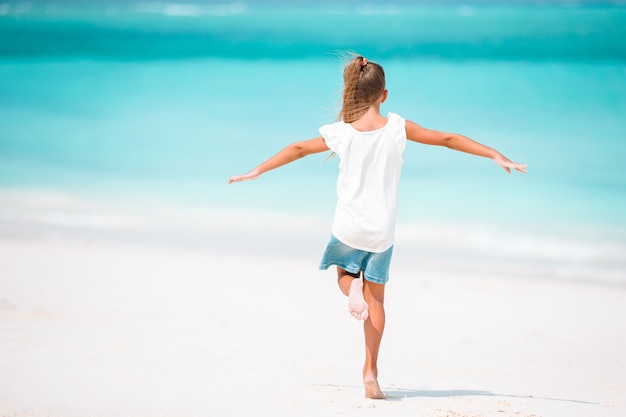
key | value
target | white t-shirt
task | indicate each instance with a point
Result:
(367, 186)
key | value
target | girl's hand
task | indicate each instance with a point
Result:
(507, 164)
(252, 175)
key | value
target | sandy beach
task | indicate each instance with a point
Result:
(95, 322)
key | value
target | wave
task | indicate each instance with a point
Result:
(144, 31)
(593, 256)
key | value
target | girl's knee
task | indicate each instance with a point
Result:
(373, 292)
(344, 280)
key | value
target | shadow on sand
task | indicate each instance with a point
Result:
(398, 394)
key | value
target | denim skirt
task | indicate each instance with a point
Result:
(375, 266)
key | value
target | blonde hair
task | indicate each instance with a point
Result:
(363, 84)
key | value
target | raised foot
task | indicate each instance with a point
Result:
(372, 389)
(356, 303)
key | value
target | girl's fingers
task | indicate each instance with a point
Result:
(237, 178)
(521, 168)
(508, 165)
(252, 175)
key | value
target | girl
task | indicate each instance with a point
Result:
(370, 148)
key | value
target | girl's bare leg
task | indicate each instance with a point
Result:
(373, 328)
(370, 297)
(352, 286)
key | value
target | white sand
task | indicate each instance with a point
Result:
(120, 327)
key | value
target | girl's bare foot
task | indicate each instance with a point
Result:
(356, 303)
(372, 389)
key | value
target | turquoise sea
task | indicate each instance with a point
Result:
(161, 102)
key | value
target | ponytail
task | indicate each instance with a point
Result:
(363, 83)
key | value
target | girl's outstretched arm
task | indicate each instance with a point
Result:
(288, 154)
(461, 143)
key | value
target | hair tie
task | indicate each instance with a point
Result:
(364, 62)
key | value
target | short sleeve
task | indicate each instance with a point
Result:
(398, 124)
(336, 136)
